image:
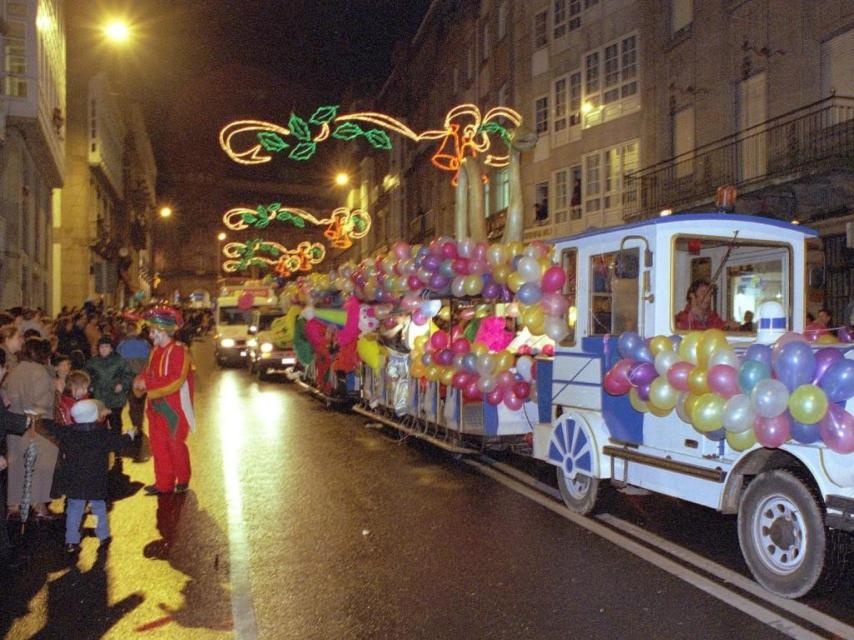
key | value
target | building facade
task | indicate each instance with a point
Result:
(32, 146)
(641, 107)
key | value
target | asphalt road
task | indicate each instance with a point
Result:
(303, 523)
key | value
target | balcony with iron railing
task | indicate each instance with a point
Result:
(796, 144)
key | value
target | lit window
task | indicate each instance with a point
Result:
(541, 114)
(502, 189)
(560, 104)
(575, 98)
(561, 199)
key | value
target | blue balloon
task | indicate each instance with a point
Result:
(447, 269)
(795, 365)
(759, 353)
(529, 293)
(805, 433)
(717, 435)
(751, 373)
(628, 343)
(675, 340)
(470, 362)
(838, 381)
(642, 353)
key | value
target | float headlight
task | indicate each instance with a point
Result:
(226, 343)
(266, 347)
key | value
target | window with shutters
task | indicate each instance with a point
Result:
(610, 81)
(541, 29)
(605, 186)
(541, 114)
(15, 57)
(575, 98)
(592, 182)
(576, 193)
(559, 96)
(561, 198)
(559, 18)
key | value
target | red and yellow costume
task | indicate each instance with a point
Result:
(168, 380)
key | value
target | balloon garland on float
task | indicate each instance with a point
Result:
(772, 394)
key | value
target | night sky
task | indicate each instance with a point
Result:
(199, 64)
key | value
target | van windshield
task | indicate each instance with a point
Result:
(233, 316)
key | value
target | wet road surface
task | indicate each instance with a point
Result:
(303, 523)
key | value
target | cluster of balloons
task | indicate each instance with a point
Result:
(446, 267)
(451, 360)
(769, 396)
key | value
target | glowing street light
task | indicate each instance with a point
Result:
(342, 179)
(221, 236)
(117, 31)
(165, 212)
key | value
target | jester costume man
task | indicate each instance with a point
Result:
(168, 380)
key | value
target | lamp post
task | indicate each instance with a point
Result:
(219, 240)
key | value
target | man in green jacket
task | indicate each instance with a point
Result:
(112, 377)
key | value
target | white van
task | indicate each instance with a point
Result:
(233, 320)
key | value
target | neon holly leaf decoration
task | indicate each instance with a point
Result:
(324, 114)
(303, 151)
(272, 141)
(347, 131)
(248, 217)
(299, 128)
(379, 139)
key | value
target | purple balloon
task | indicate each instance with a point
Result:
(643, 392)
(795, 365)
(837, 429)
(642, 373)
(759, 353)
(823, 359)
(716, 435)
(838, 380)
(845, 334)
(628, 343)
(444, 357)
(491, 290)
(675, 340)
(438, 282)
(805, 433)
(431, 262)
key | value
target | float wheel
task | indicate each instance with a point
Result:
(572, 449)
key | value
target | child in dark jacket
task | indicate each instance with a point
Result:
(86, 445)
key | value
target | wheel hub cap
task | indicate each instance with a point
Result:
(779, 534)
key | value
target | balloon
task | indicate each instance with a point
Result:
(529, 269)
(505, 379)
(460, 345)
(496, 255)
(447, 376)
(808, 404)
(845, 334)
(485, 364)
(457, 362)
(616, 381)
(688, 347)
(514, 282)
(534, 319)
(837, 429)
(553, 279)
(823, 359)
(795, 364)
(662, 396)
(470, 362)
(759, 353)
(503, 360)
(529, 293)
(783, 340)
(554, 304)
(660, 344)
(512, 401)
(478, 348)
(723, 380)
(555, 328)
(717, 435)
(433, 373)
(711, 341)
(472, 285)
(751, 373)
(678, 375)
(427, 359)
(438, 282)
(838, 380)
(636, 402)
(458, 287)
(805, 433)
(440, 340)
(641, 373)
(522, 388)
(417, 370)
(420, 342)
(471, 392)
(681, 410)
(698, 381)
(739, 414)
(628, 343)
(664, 360)
(827, 338)
(495, 396)
(726, 357)
(523, 367)
(491, 290)
(643, 393)
(707, 413)
(369, 352)
(501, 273)
(742, 440)
(444, 357)
(772, 432)
(486, 384)
(770, 398)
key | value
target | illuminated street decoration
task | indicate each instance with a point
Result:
(465, 133)
(278, 257)
(342, 226)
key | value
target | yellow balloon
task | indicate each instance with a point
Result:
(445, 313)
(690, 403)
(711, 340)
(808, 404)
(708, 413)
(534, 318)
(420, 341)
(447, 375)
(742, 440)
(545, 263)
(688, 347)
(369, 352)
(503, 360)
(697, 383)
(478, 348)
(662, 396)
(637, 403)
(514, 282)
(656, 411)
(515, 248)
(827, 338)
(417, 370)
(659, 344)
(501, 272)
(433, 373)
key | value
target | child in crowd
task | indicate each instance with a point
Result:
(85, 447)
(76, 388)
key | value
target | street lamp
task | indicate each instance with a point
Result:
(165, 212)
(219, 240)
(342, 179)
(117, 31)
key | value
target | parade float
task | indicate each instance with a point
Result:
(570, 351)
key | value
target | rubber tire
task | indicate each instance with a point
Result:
(263, 376)
(583, 503)
(824, 560)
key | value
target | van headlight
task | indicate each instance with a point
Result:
(252, 342)
(227, 343)
(266, 347)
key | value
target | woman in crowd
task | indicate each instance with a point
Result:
(11, 341)
(30, 389)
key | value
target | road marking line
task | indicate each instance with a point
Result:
(766, 616)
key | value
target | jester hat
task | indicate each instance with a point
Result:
(163, 317)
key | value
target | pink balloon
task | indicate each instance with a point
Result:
(471, 392)
(505, 379)
(837, 429)
(616, 381)
(772, 432)
(449, 250)
(477, 267)
(460, 266)
(460, 345)
(440, 340)
(522, 388)
(553, 279)
(414, 283)
(677, 375)
(479, 251)
(512, 401)
(554, 304)
(723, 380)
(419, 318)
(461, 379)
(495, 396)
